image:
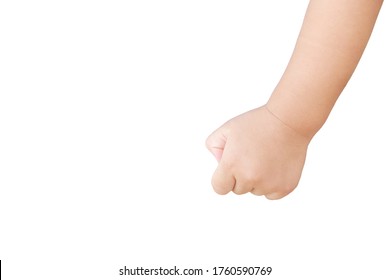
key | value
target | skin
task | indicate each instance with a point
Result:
(263, 151)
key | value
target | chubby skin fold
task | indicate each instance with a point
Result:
(263, 151)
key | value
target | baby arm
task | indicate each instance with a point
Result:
(263, 151)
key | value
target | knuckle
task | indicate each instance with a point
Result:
(240, 190)
(281, 190)
(219, 187)
(285, 188)
(251, 178)
(220, 190)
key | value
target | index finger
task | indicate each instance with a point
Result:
(223, 180)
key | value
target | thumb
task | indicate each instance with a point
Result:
(215, 143)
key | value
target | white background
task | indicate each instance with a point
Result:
(104, 109)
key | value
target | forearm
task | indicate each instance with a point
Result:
(331, 42)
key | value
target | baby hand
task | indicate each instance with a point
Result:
(257, 153)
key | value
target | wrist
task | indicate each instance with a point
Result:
(304, 116)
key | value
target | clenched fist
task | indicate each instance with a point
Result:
(257, 153)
